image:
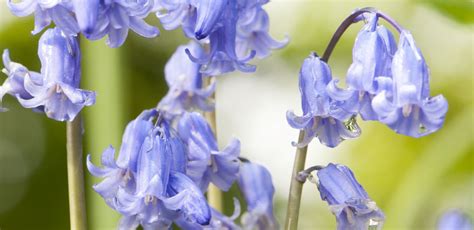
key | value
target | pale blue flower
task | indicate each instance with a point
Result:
(185, 84)
(116, 17)
(370, 72)
(322, 116)
(209, 12)
(147, 184)
(94, 18)
(176, 13)
(60, 12)
(348, 201)
(255, 183)
(253, 30)
(222, 57)
(235, 31)
(205, 162)
(454, 220)
(408, 108)
(218, 222)
(55, 91)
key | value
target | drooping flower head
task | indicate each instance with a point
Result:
(253, 30)
(255, 183)
(348, 200)
(218, 221)
(454, 220)
(185, 84)
(370, 72)
(236, 31)
(205, 162)
(408, 108)
(147, 184)
(60, 12)
(94, 18)
(322, 116)
(115, 18)
(55, 90)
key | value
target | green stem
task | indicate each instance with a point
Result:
(75, 175)
(214, 194)
(296, 187)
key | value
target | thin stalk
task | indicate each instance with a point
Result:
(75, 175)
(349, 21)
(214, 194)
(296, 187)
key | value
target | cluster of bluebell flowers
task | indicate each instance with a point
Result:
(169, 156)
(55, 90)
(161, 174)
(93, 18)
(235, 31)
(384, 83)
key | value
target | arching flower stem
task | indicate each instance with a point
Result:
(351, 19)
(296, 186)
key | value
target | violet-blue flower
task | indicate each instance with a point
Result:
(60, 12)
(408, 108)
(205, 162)
(223, 57)
(370, 71)
(235, 30)
(218, 221)
(115, 18)
(175, 13)
(185, 83)
(348, 200)
(322, 116)
(146, 184)
(253, 30)
(454, 220)
(56, 90)
(121, 174)
(255, 183)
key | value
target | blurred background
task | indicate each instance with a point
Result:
(412, 180)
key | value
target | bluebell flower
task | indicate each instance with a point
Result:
(115, 18)
(235, 30)
(348, 201)
(322, 116)
(86, 12)
(205, 162)
(408, 108)
(147, 184)
(14, 84)
(255, 183)
(253, 30)
(121, 174)
(454, 220)
(218, 221)
(55, 91)
(175, 13)
(208, 15)
(223, 57)
(94, 18)
(370, 72)
(59, 12)
(185, 84)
